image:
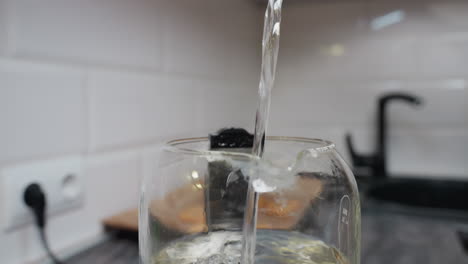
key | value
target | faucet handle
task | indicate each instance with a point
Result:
(357, 159)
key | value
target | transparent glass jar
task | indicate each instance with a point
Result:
(298, 204)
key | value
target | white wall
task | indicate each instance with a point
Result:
(109, 80)
(332, 67)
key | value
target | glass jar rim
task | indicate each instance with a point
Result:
(177, 145)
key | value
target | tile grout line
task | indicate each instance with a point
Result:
(87, 109)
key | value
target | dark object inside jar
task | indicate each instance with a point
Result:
(227, 186)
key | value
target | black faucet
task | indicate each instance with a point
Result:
(377, 161)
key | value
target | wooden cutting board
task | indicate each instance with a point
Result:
(125, 221)
(183, 209)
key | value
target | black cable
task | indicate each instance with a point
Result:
(45, 243)
(36, 200)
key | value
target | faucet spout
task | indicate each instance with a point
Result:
(377, 161)
(382, 124)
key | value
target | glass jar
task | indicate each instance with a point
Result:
(299, 203)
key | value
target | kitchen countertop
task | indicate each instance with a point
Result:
(113, 251)
(387, 237)
(400, 239)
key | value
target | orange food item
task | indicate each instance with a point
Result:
(184, 208)
(272, 205)
(193, 215)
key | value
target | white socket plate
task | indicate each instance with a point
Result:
(61, 179)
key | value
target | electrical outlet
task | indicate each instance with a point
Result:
(61, 180)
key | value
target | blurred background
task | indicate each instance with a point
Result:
(96, 86)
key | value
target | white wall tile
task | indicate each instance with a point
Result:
(42, 111)
(3, 27)
(446, 16)
(113, 183)
(443, 54)
(322, 103)
(436, 153)
(183, 115)
(212, 38)
(228, 105)
(125, 108)
(321, 41)
(130, 109)
(385, 56)
(102, 32)
(435, 33)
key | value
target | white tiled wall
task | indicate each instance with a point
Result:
(42, 110)
(437, 152)
(111, 79)
(94, 32)
(214, 39)
(333, 66)
(125, 108)
(3, 27)
(112, 182)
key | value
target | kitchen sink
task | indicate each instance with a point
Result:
(425, 193)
